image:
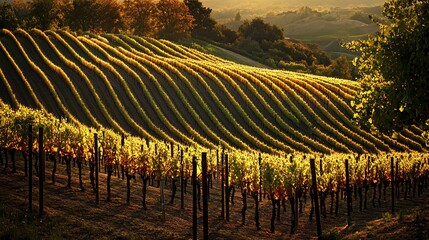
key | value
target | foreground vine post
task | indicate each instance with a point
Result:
(30, 169)
(217, 165)
(182, 187)
(41, 172)
(392, 180)
(122, 146)
(205, 197)
(194, 198)
(316, 200)
(227, 186)
(222, 186)
(348, 192)
(260, 178)
(97, 199)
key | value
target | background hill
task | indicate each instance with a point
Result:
(286, 5)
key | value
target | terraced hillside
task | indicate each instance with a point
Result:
(158, 89)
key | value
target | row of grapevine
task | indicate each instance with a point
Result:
(281, 177)
(262, 109)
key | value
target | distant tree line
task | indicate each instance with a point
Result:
(267, 44)
(172, 19)
(169, 19)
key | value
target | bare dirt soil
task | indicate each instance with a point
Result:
(73, 214)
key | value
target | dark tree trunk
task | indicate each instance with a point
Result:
(380, 186)
(360, 198)
(273, 213)
(199, 194)
(91, 175)
(185, 184)
(129, 177)
(374, 188)
(118, 171)
(25, 156)
(79, 165)
(1, 156)
(145, 179)
(109, 178)
(337, 201)
(6, 163)
(243, 210)
(255, 197)
(54, 167)
(232, 189)
(386, 183)
(12, 157)
(284, 204)
(36, 163)
(173, 190)
(323, 202)
(366, 187)
(293, 226)
(68, 170)
(312, 205)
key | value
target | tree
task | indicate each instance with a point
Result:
(258, 30)
(140, 16)
(394, 68)
(8, 18)
(108, 16)
(340, 68)
(82, 16)
(203, 23)
(237, 17)
(174, 20)
(95, 16)
(47, 13)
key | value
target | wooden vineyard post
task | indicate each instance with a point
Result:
(182, 187)
(227, 186)
(392, 180)
(30, 169)
(205, 197)
(128, 176)
(217, 165)
(222, 186)
(97, 199)
(194, 198)
(349, 195)
(41, 172)
(316, 199)
(122, 166)
(260, 178)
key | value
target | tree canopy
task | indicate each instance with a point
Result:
(140, 16)
(174, 19)
(203, 23)
(394, 69)
(259, 31)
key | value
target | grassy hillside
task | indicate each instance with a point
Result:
(155, 88)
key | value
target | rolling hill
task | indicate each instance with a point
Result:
(159, 89)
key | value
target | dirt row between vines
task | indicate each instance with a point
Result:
(73, 214)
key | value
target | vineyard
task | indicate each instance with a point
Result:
(145, 108)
